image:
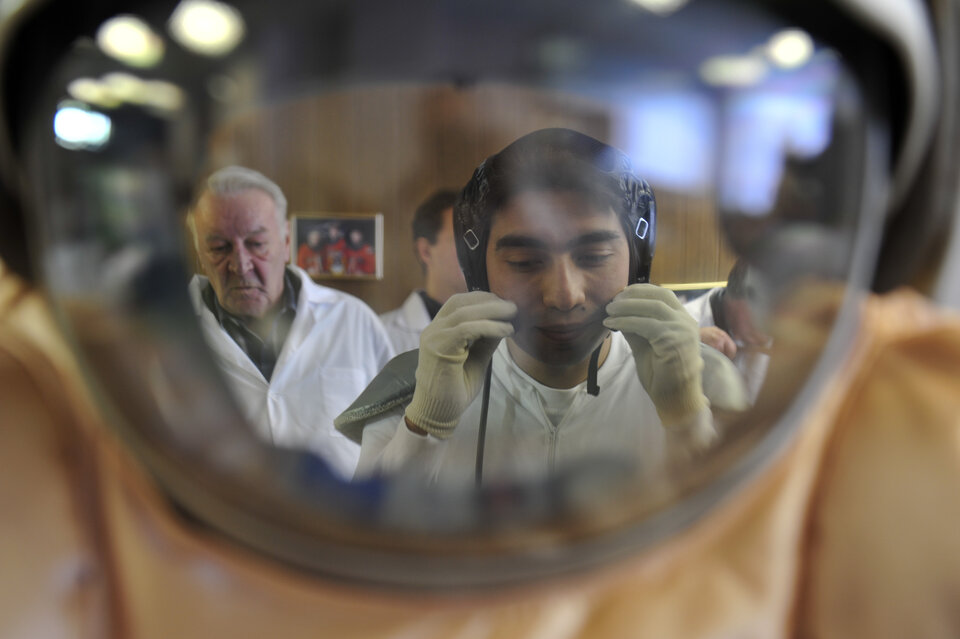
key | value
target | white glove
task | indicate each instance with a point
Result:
(455, 349)
(666, 348)
(723, 384)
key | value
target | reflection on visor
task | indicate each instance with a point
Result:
(225, 344)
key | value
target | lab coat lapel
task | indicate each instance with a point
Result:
(220, 342)
(414, 314)
(311, 302)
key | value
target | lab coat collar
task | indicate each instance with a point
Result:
(311, 302)
(413, 313)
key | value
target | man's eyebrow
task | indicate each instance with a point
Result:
(520, 241)
(594, 237)
(526, 241)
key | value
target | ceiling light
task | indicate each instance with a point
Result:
(77, 127)
(790, 49)
(660, 7)
(130, 40)
(206, 27)
(93, 92)
(733, 70)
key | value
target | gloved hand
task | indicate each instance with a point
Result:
(666, 348)
(455, 349)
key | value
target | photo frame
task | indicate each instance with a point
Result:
(338, 245)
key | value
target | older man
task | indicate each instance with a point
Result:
(294, 353)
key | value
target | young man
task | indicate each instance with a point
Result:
(294, 353)
(558, 232)
(436, 251)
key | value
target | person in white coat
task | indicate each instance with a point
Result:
(589, 362)
(294, 353)
(435, 250)
(730, 320)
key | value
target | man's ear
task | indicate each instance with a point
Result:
(424, 250)
(286, 243)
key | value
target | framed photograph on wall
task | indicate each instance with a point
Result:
(338, 245)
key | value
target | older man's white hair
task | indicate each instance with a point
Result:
(231, 180)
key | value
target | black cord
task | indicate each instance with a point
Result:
(593, 387)
(482, 435)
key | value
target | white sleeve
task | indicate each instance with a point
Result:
(388, 447)
(692, 436)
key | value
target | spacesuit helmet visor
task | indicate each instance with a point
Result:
(783, 133)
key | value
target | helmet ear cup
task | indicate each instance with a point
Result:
(642, 237)
(470, 233)
(471, 261)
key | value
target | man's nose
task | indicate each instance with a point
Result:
(563, 285)
(241, 261)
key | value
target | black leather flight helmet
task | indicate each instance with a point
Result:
(554, 159)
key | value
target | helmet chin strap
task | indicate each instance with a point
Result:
(593, 388)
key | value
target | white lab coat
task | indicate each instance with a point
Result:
(336, 345)
(751, 364)
(405, 323)
(621, 423)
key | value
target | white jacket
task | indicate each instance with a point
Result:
(336, 345)
(620, 423)
(751, 364)
(405, 323)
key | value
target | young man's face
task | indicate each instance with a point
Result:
(243, 250)
(561, 260)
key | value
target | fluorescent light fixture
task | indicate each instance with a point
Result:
(790, 48)
(124, 86)
(660, 7)
(93, 92)
(206, 27)
(129, 39)
(115, 89)
(77, 127)
(733, 70)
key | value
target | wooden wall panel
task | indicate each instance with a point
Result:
(690, 246)
(386, 148)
